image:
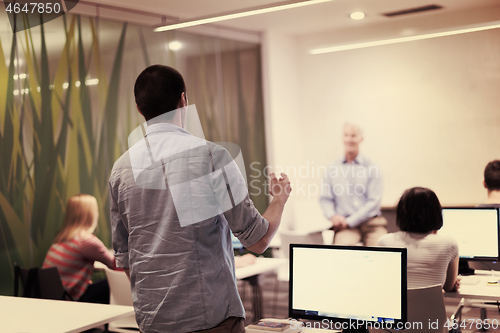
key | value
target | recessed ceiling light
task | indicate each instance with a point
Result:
(175, 45)
(358, 15)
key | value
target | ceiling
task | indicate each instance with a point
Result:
(322, 24)
(328, 16)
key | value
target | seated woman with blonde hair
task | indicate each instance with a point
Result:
(432, 258)
(75, 249)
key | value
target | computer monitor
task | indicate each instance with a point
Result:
(348, 287)
(476, 230)
(236, 243)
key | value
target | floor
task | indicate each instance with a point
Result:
(279, 309)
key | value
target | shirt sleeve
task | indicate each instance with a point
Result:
(374, 197)
(453, 251)
(327, 198)
(93, 249)
(230, 190)
(119, 233)
(387, 240)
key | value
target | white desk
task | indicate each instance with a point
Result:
(251, 274)
(293, 328)
(477, 287)
(262, 265)
(32, 315)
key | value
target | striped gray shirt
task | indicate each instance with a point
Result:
(429, 256)
(174, 200)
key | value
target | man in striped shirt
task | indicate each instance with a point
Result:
(175, 198)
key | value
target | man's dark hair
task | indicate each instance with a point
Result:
(158, 90)
(419, 211)
(492, 176)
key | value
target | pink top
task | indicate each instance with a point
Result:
(74, 260)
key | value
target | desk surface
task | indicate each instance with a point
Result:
(477, 287)
(26, 315)
(294, 328)
(262, 265)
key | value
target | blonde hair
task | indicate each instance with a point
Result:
(81, 214)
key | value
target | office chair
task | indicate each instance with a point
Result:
(120, 294)
(40, 283)
(426, 305)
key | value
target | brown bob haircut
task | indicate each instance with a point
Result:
(419, 211)
(492, 176)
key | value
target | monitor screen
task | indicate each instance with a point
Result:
(474, 229)
(347, 283)
(236, 242)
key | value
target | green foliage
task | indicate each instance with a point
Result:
(50, 145)
(59, 138)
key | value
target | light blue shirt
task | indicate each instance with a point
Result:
(353, 190)
(174, 199)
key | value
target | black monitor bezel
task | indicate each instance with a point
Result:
(498, 232)
(404, 304)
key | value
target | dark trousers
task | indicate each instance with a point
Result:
(97, 292)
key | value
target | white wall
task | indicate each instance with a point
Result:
(429, 109)
(285, 134)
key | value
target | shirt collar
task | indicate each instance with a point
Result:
(358, 160)
(164, 127)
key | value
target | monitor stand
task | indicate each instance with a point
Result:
(463, 267)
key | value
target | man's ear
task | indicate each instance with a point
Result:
(137, 106)
(183, 101)
(484, 184)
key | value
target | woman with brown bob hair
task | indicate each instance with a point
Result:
(432, 258)
(75, 249)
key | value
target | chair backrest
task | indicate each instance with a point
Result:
(296, 237)
(39, 283)
(120, 294)
(426, 306)
(119, 287)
